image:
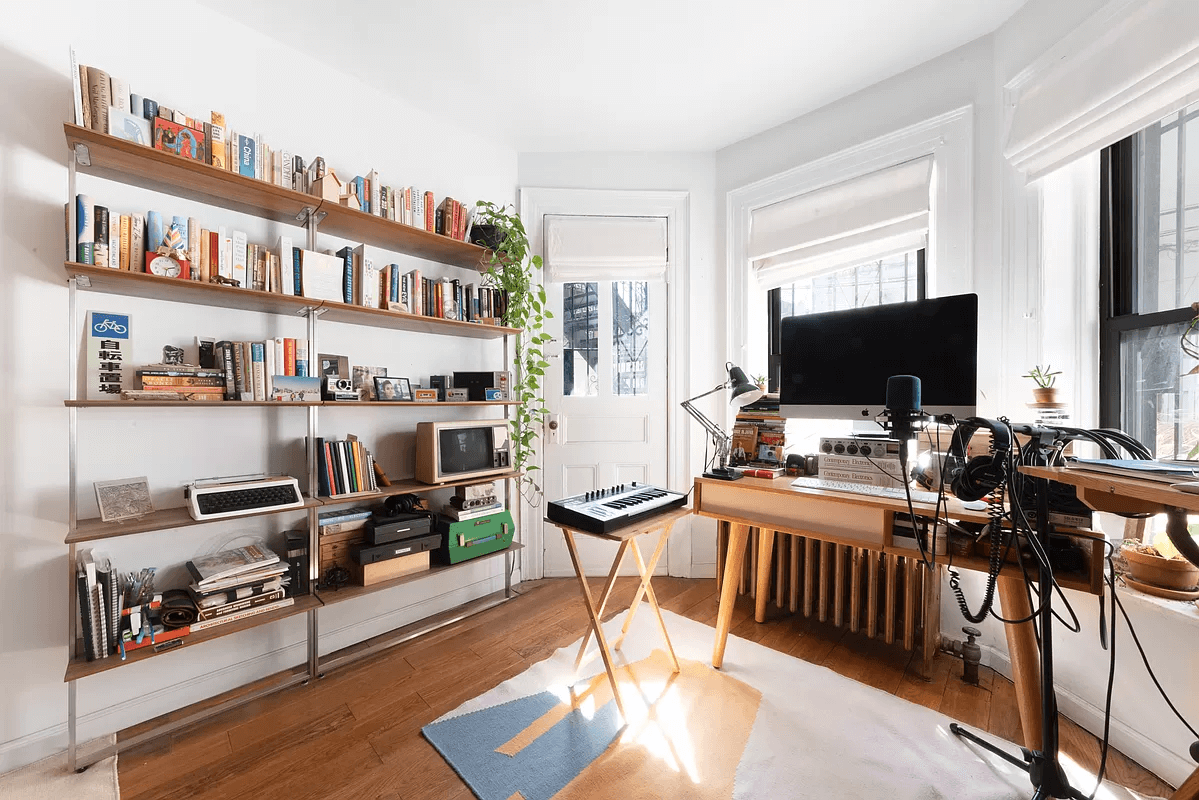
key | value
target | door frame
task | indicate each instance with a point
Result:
(534, 204)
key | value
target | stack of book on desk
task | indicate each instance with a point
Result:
(759, 437)
(235, 584)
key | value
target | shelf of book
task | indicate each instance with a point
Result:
(186, 403)
(128, 162)
(156, 287)
(90, 530)
(272, 403)
(177, 290)
(79, 667)
(400, 321)
(411, 487)
(358, 226)
(330, 596)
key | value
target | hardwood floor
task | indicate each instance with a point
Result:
(355, 734)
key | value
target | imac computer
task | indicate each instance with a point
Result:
(835, 365)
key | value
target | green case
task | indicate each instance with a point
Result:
(472, 538)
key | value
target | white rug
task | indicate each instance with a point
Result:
(816, 734)
(49, 779)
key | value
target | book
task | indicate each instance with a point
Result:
(173, 137)
(125, 242)
(100, 245)
(155, 231)
(85, 230)
(259, 576)
(239, 259)
(229, 563)
(287, 283)
(258, 365)
(458, 514)
(302, 357)
(240, 615)
(245, 157)
(346, 254)
(1159, 471)
(226, 609)
(99, 93)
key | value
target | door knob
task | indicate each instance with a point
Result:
(553, 424)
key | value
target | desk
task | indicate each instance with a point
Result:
(865, 522)
(627, 539)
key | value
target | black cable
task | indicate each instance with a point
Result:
(1136, 640)
(1110, 579)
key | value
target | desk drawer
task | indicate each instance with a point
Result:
(795, 512)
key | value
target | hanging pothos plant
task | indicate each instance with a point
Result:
(512, 270)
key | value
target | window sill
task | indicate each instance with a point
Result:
(1182, 610)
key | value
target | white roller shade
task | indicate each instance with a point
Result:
(869, 217)
(1126, 68)
(605, 248)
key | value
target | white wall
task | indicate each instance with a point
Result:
(1034, 263)
(293, 101)
(693, 173)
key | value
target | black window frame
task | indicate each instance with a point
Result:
(1120, 184)
(774, 314)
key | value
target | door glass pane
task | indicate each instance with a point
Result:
(580, 339)
(1159, 400)
(630, 337)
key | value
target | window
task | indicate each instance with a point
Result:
(1149, 276)
(895, 279)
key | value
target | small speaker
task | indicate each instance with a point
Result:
(796, 465)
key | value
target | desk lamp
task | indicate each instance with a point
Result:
(743, 393)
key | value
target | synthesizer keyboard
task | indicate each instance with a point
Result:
(607, 510)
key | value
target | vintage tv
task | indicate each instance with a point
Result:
(452, 451)
(835, 364)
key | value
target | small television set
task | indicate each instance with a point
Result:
(450, 451)
(835, 365)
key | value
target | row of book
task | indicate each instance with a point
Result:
(345, 466)
(131, 242)
(249, 371)
(105, 103)
(237, 583)
(100, 604)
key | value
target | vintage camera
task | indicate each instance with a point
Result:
(339, 389)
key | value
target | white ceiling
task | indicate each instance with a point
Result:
(640, 75)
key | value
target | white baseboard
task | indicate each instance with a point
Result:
(1171, 767)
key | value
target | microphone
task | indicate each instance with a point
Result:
(904, 417)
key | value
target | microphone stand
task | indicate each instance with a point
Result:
(1043, 766)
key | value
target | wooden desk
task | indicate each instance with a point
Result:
(865, 522)
(626, 537)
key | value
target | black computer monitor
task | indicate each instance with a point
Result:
(835, 365)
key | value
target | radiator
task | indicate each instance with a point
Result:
(886, 595)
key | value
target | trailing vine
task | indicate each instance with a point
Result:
(511, 269)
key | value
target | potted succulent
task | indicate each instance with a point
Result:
(1044, 377)
(512, 269)
(761, 381)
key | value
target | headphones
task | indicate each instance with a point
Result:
(402, 504)
(976, 478)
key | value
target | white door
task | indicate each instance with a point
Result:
(606, 392)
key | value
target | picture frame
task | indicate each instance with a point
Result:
(125, 498)
(363, 380)
(392, 390)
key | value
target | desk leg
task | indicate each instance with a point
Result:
(603, 603)
(765, 550)
(738, 536)
(931, 619)
(596, 624)
(722, 548)
(1026, 667)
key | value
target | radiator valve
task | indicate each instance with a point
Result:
(971, 655)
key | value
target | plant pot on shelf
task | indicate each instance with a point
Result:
(1045, 395)
(1168, 573)
(488, 236)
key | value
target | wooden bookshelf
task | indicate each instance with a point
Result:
(177, 290)
(89, 530)
(400, 321)
(331, 596)
(411, 487)
(188, 404)
(80, 667)
(137, 165)
(358, 226)
(273, 403)
(155, 287)
(128, 162)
